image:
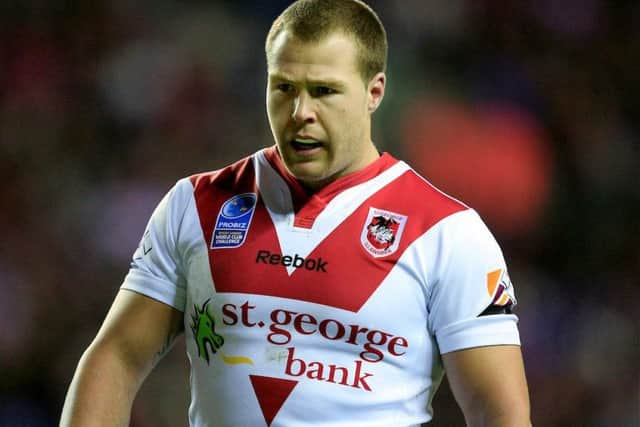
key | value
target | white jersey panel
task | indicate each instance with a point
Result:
(334, 369)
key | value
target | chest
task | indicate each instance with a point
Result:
(335, 261)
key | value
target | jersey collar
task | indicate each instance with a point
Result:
(301, 195)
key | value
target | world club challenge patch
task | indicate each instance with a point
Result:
(233, 221)
(382, 231)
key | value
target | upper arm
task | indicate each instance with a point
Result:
(132, 338)
(489, 384)
(138, 330)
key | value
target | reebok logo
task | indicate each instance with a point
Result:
(311, 264)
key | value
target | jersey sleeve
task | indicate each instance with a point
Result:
(471, 295)
(156, 269)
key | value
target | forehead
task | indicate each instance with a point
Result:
(334, 56)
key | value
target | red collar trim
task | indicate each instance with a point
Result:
(308, 206)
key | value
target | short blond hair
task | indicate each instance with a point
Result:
(314, 20)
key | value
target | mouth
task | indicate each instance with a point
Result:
(305, 144)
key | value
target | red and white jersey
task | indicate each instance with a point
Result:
(329, 309)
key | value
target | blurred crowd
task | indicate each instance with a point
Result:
(528, 111)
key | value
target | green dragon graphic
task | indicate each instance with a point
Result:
(204, 333)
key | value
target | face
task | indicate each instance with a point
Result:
(320, 109)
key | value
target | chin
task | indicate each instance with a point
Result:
(308, 175)
(306, 170)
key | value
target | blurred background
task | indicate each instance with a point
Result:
(528, 111)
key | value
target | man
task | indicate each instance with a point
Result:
(318, 282)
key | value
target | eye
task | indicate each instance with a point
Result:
(322, 91)
(285, 87)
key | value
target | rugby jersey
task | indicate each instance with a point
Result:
(324, 309)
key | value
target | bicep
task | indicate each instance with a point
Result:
(139, 329)
(489, 384)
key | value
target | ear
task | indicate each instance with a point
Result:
(375, 91)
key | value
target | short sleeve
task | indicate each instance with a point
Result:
(156, 269)
(470, 293)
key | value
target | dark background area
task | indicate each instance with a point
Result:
(528, 111)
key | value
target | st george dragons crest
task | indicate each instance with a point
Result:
(382, 231)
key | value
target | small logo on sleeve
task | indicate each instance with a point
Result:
(233, 221)
(500, 288)
(382, 231)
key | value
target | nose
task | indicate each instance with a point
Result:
(303, 111)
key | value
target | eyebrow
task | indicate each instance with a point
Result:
(313, 82)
